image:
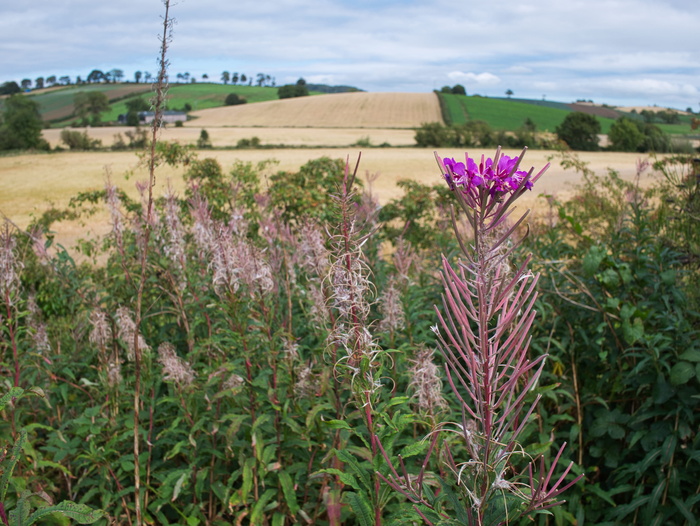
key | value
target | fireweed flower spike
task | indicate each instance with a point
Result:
(483, 334)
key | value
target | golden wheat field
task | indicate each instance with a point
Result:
(338, 110)
(30, 184)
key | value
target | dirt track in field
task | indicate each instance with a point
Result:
(338, 110)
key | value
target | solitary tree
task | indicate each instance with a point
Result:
(21, 124)
(96, 75)
(234, 78)
(225, 77)
(51, 80)
(137, 76)
(509, 93)
(26, 84)
(116, 75)
(243, 78)
(11, 87)
(90, 103)
(579, 131)
(458, 89)
(65, 80)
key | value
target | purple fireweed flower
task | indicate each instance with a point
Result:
(499, 175)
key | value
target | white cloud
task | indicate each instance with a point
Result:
(480, 79)
(626, 50)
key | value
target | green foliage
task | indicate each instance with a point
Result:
(76, 140)
(21, 124)
(579, 131)
(289, 91)
(420, 216)
(90, 104)
(233, 99)
(21, 513)
(625, 135)
(477, 134)
(309, 192)
(9, 88)
(623, 346)
(267, 428)
(633, 136)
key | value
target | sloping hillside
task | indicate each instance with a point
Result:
(338, 110)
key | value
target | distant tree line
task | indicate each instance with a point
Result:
(579, 131)
(457, 89)
(479, 134)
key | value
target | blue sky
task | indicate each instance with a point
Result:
(619, 52)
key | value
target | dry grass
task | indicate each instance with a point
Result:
(30, 184)
(338, 110)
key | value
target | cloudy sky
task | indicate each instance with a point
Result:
(619, 52)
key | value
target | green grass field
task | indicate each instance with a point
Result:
(505, 114)
(508, 114)
(59, 103)
(199, 96)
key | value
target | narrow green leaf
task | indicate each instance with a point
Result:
(80, 513)
(257, 515)
(178, 486)
(288, 490)
(10, 462)
(689, 516)
(337, 424)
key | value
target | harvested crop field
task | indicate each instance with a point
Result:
(30, 184)
(229, 137)
(338, 110)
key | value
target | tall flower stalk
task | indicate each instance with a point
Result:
(486, 476)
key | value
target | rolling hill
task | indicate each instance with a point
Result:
(339, 110)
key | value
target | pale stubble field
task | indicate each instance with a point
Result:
(32, 183)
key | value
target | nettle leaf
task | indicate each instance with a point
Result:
(681, 373)
(633, 331)
(592, 260)
(691, 355)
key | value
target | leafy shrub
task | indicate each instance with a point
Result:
(76, 140)
(233, 99)
(579, 131)
(253, 142)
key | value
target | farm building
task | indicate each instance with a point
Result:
(146, 117)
